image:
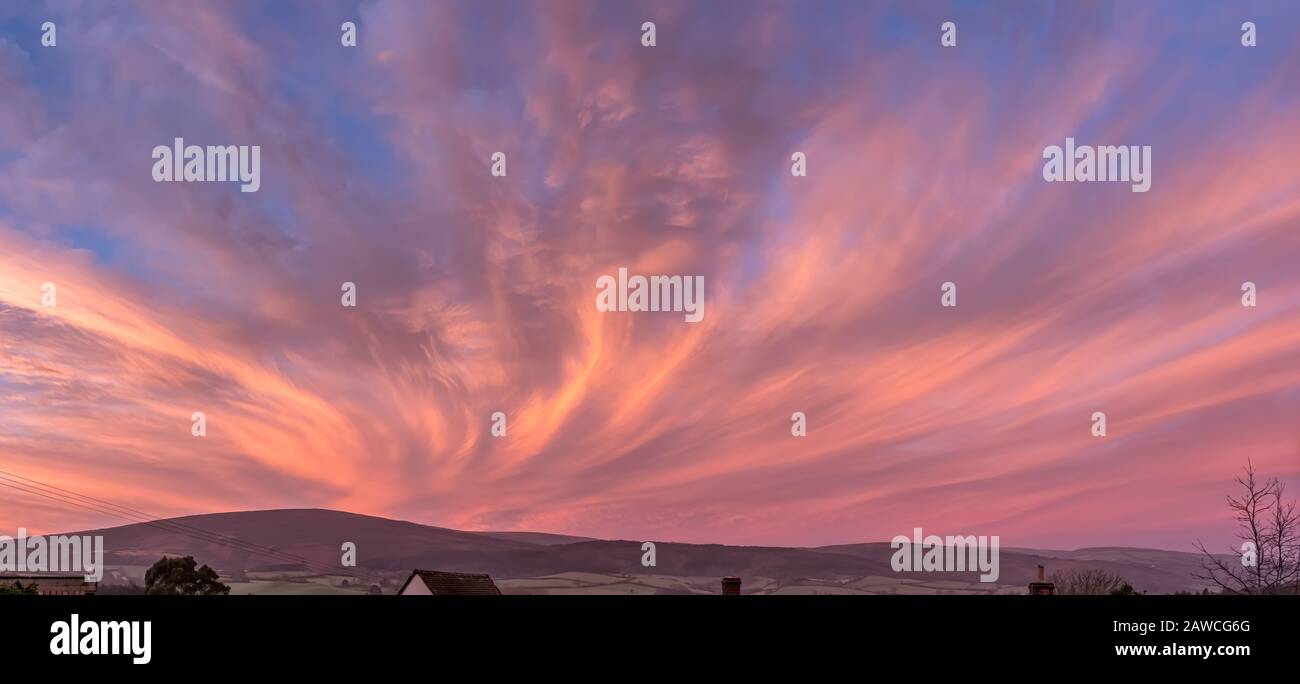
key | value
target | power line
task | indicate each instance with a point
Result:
(177, 528)
(88, 503)
(170, 527)
(150, 518)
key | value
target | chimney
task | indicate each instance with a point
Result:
(1042, 587)
(731, 586)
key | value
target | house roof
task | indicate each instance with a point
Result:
(454, 583)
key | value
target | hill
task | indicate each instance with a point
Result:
(526, 562)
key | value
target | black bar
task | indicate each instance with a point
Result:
(742, 632)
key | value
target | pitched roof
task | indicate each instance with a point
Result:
(454, 583)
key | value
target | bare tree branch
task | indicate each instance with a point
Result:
(1086, 581)
(1269, 527)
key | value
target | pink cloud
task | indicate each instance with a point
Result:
(476, 293)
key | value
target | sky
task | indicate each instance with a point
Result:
(476, 294)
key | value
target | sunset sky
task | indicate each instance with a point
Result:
(477, 294)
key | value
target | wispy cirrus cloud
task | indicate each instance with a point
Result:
(476, 293)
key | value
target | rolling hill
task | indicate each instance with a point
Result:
(525, 562)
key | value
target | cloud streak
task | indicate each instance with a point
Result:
(476, 293)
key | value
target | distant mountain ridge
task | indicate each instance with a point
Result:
(393, 547)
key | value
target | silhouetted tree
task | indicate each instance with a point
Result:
(16, 588)
(179, 576)
(1093, 582)
(1268, 559)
